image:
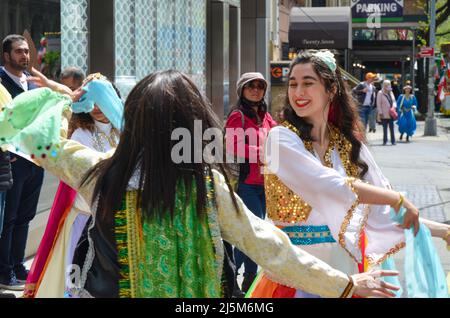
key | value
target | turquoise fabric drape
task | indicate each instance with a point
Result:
(102, 94)
(425, 277)
(389, 264)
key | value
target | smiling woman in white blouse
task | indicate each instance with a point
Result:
(323, 187)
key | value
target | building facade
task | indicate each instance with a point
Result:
(211, 40)
(36, 16)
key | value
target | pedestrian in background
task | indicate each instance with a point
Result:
(5, 174)
(250, 114)
(22, 199)
(395, 88)
(72, 77)
(365, 94)
(385, 102)
(5, 165)
(406, 107)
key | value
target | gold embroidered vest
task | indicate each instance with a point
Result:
(283, 204)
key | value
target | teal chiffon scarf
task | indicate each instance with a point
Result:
(424, 275)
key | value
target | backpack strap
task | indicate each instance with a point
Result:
(242, 117)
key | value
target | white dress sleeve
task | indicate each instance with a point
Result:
(83, 136)
(383, 236)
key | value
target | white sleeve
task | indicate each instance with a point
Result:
(384, 237)
(84, 137)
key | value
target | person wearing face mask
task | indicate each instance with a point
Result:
(386, 101)
(251, 115)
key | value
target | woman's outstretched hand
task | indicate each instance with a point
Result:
(76, 94)
(369, 284)
(411, 217)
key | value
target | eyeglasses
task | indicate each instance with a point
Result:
(253, 85)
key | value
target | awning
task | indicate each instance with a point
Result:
(320, 28)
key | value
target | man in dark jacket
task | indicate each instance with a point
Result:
(365, 94)
(5, 184)
(22, 199)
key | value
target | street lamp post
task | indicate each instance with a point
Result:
(430, 121)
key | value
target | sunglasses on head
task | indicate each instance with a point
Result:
(253, 85)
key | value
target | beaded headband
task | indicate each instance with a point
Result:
(328, 58)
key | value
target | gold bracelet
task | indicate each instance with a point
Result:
(399, 204)
(445, 239)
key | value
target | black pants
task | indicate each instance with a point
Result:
(385, 123)
(20, 209)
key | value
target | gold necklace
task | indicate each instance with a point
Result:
(338, 141)
(100, 139)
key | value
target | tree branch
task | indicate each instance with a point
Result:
(444, 6)
(443, 16)
(443, 33)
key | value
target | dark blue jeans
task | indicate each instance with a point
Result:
(254, 198)
(364, 113)
(20, 209)
(2, 209)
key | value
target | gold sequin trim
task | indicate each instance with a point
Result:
(347, 219)
(391, 252)
(120, 231)
(282, 203)
(364, 222)
(135, 240)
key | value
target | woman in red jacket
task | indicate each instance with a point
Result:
(250, 114)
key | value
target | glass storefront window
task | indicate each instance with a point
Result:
(42, 19)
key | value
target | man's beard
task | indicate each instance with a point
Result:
(19, 66)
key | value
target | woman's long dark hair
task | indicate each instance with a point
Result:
(158, 104)
(343, 112)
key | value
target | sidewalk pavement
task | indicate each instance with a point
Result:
(420, 166)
